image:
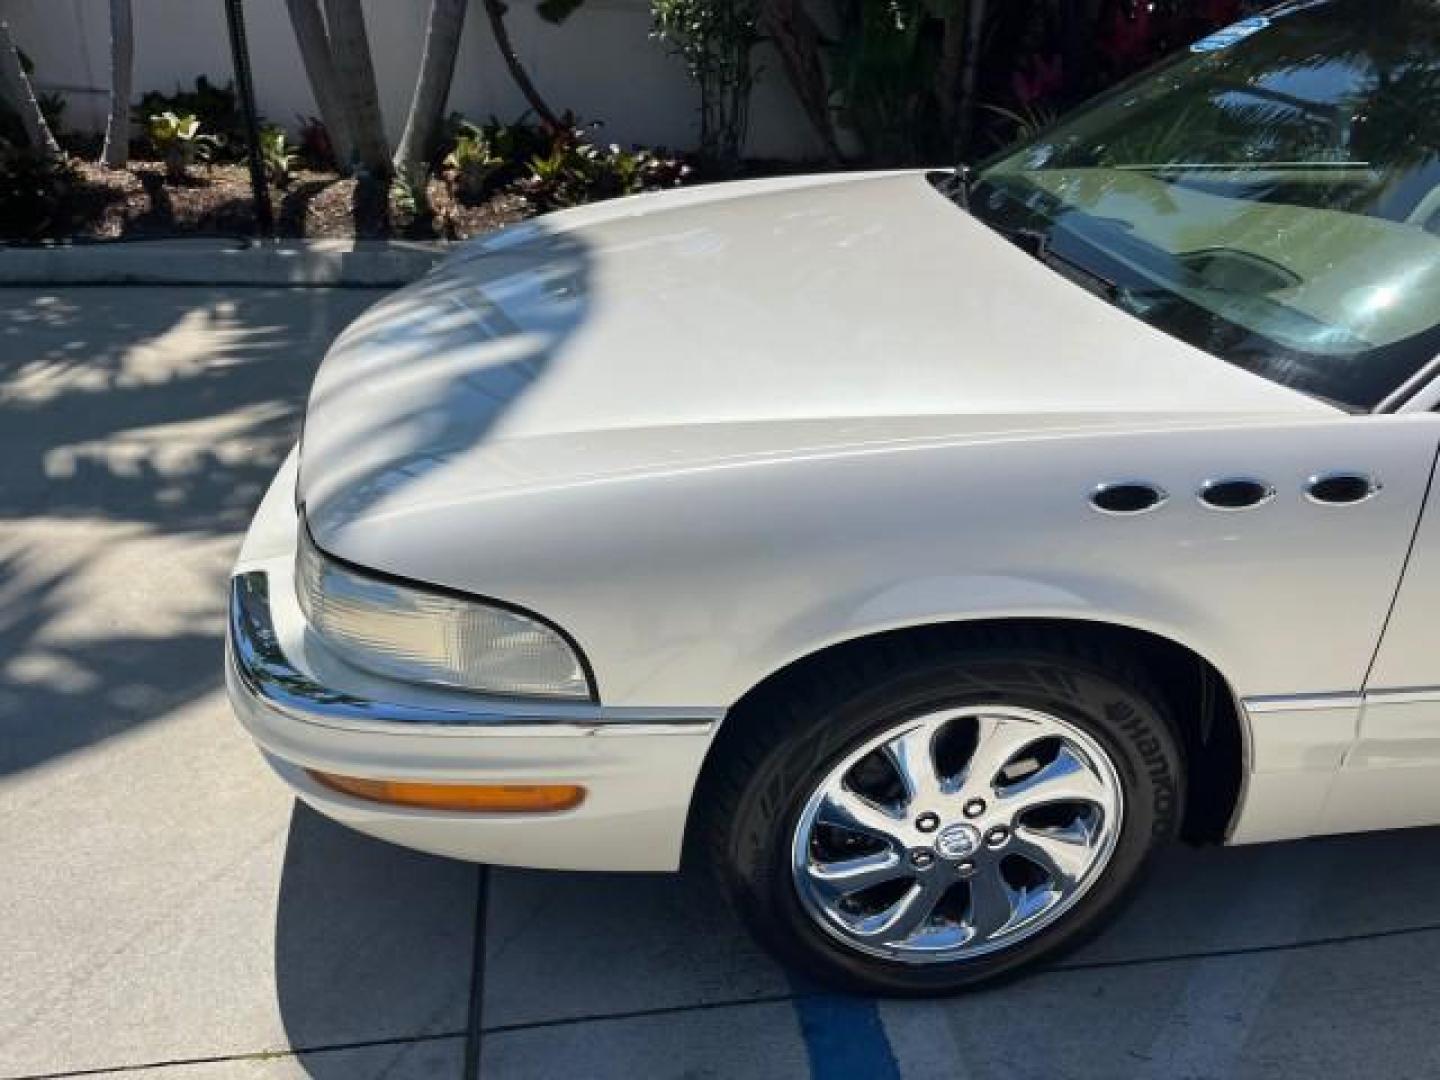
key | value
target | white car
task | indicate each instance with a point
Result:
(921, 549)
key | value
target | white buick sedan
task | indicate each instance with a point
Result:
(922, 550)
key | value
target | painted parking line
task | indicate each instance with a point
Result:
(844, 1037)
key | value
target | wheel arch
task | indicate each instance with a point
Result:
(1200, 698)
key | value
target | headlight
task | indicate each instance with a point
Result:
(428, 637)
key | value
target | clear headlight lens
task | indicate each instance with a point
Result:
(425, 637)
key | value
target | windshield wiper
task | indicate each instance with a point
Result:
(1036, 243)
(955, 185)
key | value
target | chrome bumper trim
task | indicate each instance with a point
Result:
(266, 674)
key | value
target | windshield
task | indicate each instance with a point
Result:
(1272, 196)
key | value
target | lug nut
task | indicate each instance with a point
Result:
(922, 858)
(965, 869)
(997, 836)
(974, 808)
(927, 822)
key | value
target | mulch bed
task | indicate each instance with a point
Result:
(216, 200)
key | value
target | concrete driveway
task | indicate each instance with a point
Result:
(166, 911)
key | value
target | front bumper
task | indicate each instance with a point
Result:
(308, 710)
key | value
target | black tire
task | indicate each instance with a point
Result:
(786, 741)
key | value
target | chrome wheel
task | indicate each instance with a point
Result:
(957, 833)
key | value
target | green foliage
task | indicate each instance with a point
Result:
(564, 176)
(715, 39)
(1026, 121)
(882, 76)
(180, 142)
(277, 155)
(515, 143)
(410, 194)
(216, 107)
(549, 168)
(474, 160)
(35, 190)
(575, 170)
(167, 129)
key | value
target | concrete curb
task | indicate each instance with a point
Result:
(212, 261)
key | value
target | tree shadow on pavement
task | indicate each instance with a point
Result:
(141, 428)
(165, 408)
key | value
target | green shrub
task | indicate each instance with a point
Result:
(180, 142)
(548, 168)
(574, 170)
(509, 147)
(216, 107)
(35, 192)
(411, 194)
(715, 39)
(472, 163)
(277, 155)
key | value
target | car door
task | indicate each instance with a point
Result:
(1391, 776)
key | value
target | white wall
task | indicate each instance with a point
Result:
(602, 64)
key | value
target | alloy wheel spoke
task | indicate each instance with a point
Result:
(913, 756)
(845, 877)
(844, 809)
(1065, 855)
(907, 914)
(992, 902)
(1068, 778)
(1001, 739)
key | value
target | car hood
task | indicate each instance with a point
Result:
(722, 324)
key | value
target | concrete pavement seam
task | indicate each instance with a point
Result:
(475, 1020)
(252, 1055)
(637, 1014)
(1250, 950)
(1058, 969)
(770, 999)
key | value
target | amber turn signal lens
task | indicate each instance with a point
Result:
(481, 798)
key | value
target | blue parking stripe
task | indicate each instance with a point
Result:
(844, 1037)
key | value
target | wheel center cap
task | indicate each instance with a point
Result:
(957, 841)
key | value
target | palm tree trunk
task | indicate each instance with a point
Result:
(355, 74)
(432, 88)
(797, 40)
(20, 94)
(495, 11)
(314, 42)
(122, 51)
